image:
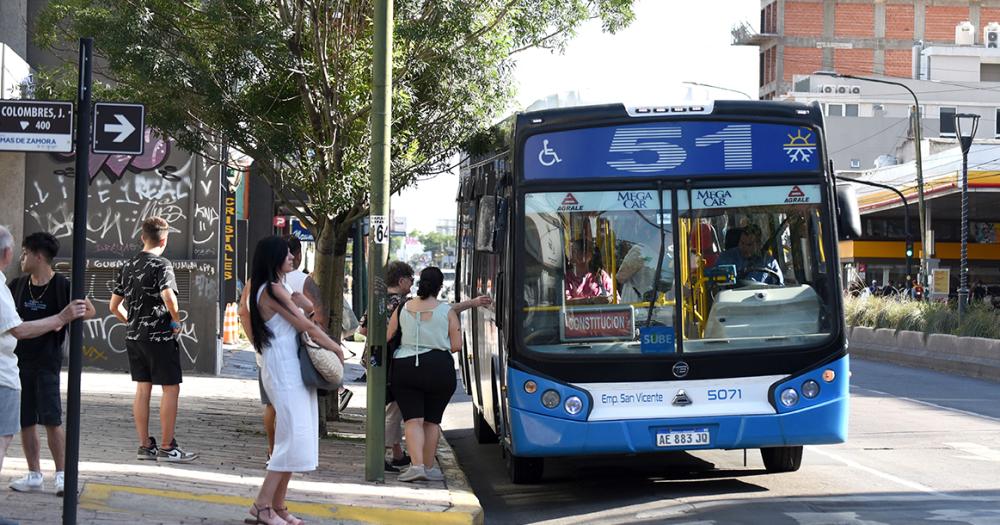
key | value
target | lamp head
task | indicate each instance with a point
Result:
(966, 125)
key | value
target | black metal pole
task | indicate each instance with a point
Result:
(79, 267)
(963, 269)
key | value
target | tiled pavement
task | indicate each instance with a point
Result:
(219, 418)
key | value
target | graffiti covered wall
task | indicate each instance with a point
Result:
(166, 181)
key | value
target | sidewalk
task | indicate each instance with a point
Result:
(220, 418)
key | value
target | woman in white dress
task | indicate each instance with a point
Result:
(275, 323)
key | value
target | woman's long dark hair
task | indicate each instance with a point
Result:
(431, 280)
(268, 259)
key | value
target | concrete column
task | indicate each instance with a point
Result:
(974, 18)
(878, 66)
(829, 17)
(14, 25)
(14, 33)
(919, 10)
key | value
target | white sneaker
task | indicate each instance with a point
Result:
(414, 473)
(60, 484)
(30, 483)
(434, 474)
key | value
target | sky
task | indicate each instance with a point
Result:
(670, 42)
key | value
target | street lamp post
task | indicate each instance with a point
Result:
(965, 127)
(917, 139)
(702, 84)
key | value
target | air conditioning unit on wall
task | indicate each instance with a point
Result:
(840, 89)
(991, 35)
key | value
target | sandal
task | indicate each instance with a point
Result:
(285, 515)
(270, 520)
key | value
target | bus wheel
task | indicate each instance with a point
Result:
(524, 470)
(781, 459)
(484, 434)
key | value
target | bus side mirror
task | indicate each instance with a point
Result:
(848, 214)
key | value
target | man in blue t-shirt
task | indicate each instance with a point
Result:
(748, 259)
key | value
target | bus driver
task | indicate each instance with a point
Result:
(750, 262)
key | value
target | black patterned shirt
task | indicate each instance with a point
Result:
(140, 282)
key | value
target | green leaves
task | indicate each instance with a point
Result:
(289, 81)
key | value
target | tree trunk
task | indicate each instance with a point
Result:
(331, 251)
(321, 274)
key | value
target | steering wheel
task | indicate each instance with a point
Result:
(770, 273)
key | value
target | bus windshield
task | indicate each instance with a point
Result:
(590, 272)
(599, 267)
(755, 272)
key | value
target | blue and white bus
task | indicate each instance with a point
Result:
(664, 278)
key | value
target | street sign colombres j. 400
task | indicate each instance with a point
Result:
(36, 126)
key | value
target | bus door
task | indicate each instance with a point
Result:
(486, 267)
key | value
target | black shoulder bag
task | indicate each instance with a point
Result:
(390, 348)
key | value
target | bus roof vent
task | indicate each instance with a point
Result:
(660, 111)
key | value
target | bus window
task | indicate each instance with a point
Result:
(486, 223)
(768, 287)
(589, 271)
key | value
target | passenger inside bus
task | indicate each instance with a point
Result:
(639, 240)
(586, 280)
(749, 258)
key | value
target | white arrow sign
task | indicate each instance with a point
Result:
(124, 128)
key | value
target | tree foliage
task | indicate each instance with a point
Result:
(289, 81)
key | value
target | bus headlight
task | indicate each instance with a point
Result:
(789, 397)
(530, 386)
(550, 399)
(573, 405)
(810, 389)
(829, 375)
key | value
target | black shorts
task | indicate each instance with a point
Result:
(40, 401)
(424, 391)
(154, 362)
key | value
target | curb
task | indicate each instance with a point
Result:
(464, 507)
(463, 500)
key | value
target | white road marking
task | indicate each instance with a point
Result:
(925, 403)
(830, 518)
(979, 452)
(884, 475)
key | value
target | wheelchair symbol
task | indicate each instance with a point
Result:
(547, 156)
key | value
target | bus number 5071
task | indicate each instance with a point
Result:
(722, 394)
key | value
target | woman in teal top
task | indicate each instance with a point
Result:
(423, 371)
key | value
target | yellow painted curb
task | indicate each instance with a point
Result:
(96, 497)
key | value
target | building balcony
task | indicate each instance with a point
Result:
(746, 35)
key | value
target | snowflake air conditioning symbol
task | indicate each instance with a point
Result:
(799, 148)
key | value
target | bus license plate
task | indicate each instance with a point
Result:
(684, 438)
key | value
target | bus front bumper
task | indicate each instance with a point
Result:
(537, 435)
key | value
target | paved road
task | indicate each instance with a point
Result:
(923, 448)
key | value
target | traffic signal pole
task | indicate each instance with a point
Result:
(906, 219)
(378, 238)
